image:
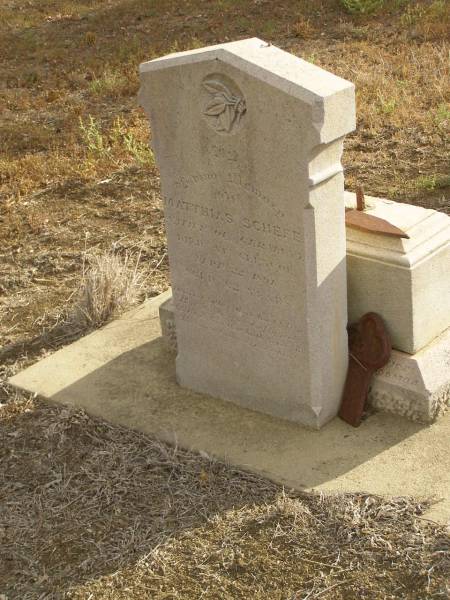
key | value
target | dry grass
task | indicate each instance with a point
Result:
(43, 249)
(70, 121)
(110, 285)
(93, 511)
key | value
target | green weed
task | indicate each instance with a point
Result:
(140, 151)
(117, 143)
(126, 140)
(424, 16)
(194, 43)
(359, 33)
(432, 182)
(386, 105)
(175, 47)
(412, 15)
(397, 4)
(362, 7)
(93, 137)
(312, 58)
(442, 113)
(111, 83)
(438, 9)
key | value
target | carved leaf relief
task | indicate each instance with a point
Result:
(225, 108)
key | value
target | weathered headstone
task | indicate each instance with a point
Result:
(248, 140)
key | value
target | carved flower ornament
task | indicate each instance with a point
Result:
(224, 107)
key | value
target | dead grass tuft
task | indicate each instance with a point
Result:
(110, 284)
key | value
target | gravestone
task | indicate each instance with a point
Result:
(248, 140)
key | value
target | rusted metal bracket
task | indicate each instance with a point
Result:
(358, 219)
(369, 350)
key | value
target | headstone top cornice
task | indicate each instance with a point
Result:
(331, 98)
(261, 59)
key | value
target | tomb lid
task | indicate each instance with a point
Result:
(428, 231)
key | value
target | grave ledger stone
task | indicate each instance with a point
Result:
(248, 140)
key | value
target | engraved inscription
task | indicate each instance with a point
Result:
(240, 252)
(252, 328)
(403, 371)
(256, 225)
(237, 180)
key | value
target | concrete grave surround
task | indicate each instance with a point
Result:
(124, 373)
(248, 140)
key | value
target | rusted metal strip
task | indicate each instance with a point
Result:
(369, 350)
(358, 219)
(366, 222)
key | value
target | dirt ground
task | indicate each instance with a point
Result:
(90, 511)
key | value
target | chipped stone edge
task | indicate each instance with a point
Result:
(425, 407)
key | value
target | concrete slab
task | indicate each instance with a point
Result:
(125, 374)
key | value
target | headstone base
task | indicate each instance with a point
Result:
(415, 386)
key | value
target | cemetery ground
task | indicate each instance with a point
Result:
(89, 510)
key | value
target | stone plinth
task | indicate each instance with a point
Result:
(416, 386)
(406, 281)
(248, 140)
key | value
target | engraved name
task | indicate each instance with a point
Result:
(227, 217)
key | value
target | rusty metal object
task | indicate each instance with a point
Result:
(366, 222)
(360, 203)
(369, 350)
(358, 219)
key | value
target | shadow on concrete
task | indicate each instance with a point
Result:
(138, 390)
(85, 500)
